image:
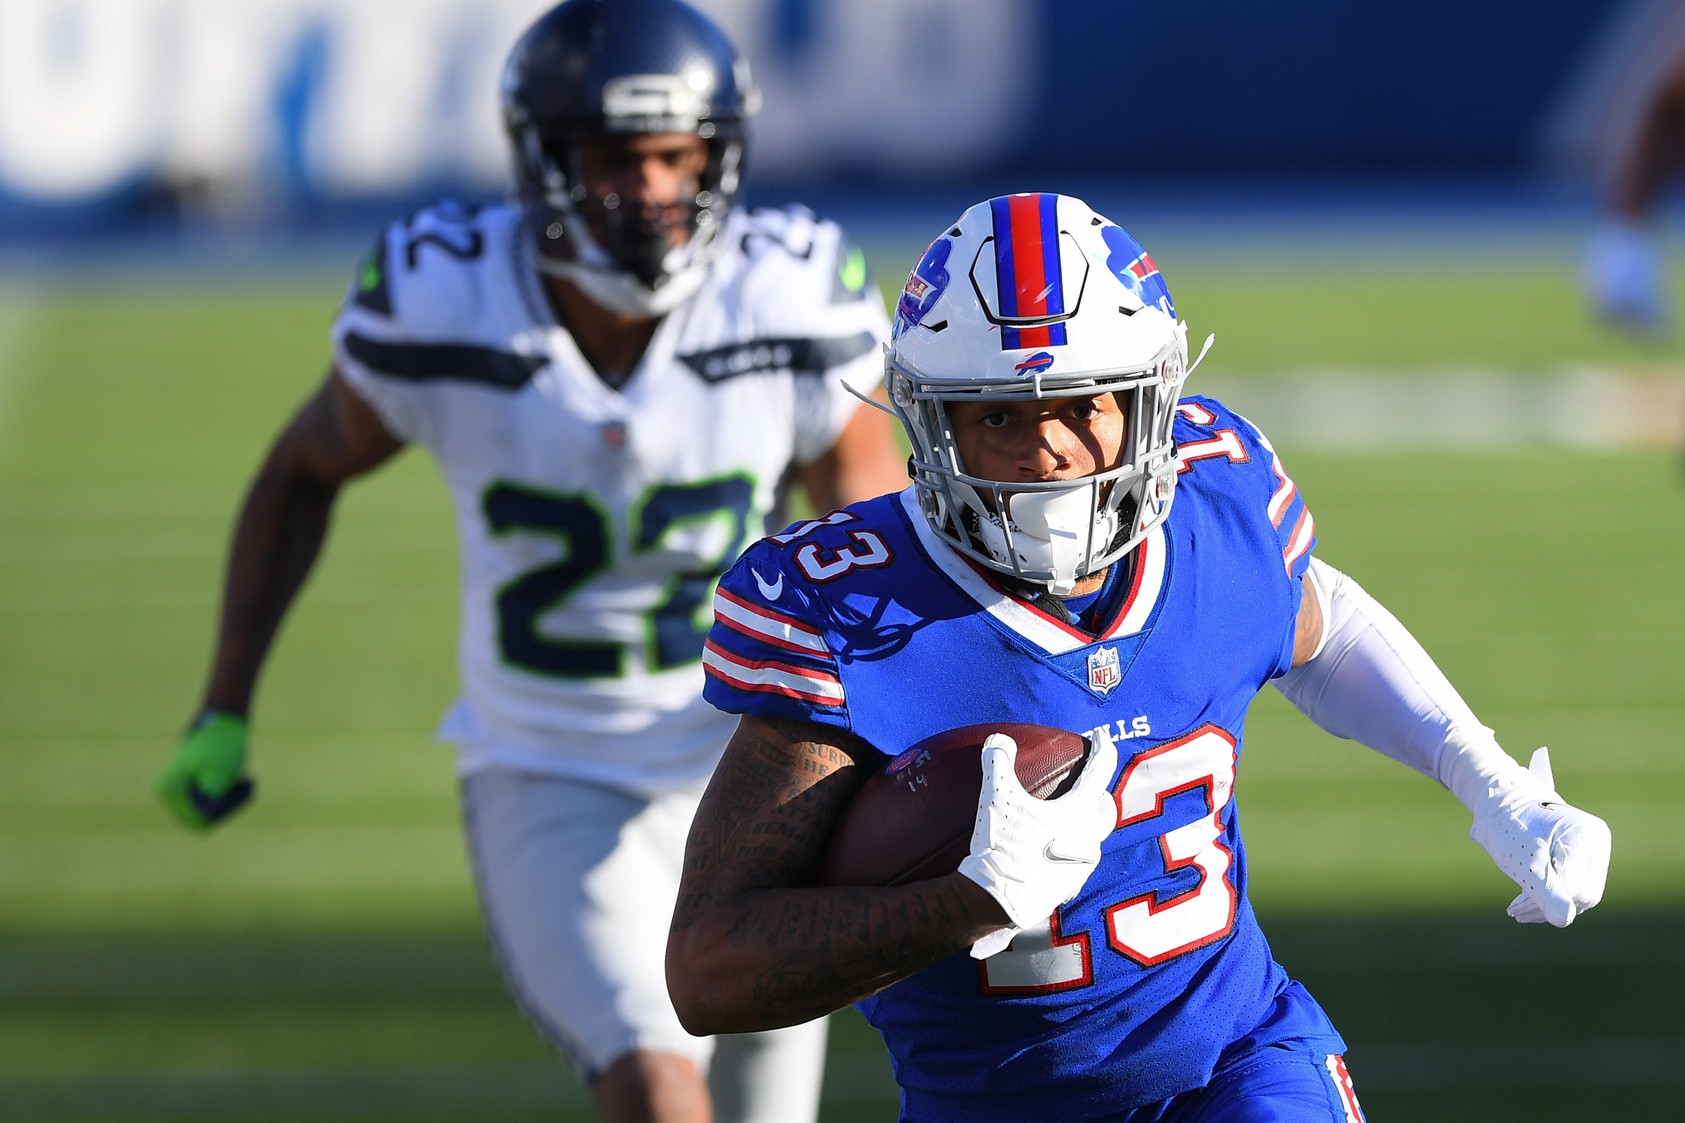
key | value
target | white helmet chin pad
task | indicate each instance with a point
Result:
(1049, 533)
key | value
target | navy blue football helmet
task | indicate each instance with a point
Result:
(594, 69)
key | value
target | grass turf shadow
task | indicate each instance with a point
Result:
(1448, 1017)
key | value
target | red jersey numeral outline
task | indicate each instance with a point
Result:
(828, 565)
(1225, 444)
(811, 525)
(1059, 971)
(1151, 929)
(1144, 928)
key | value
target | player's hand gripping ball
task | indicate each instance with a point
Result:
(205, 780)
(1012, 806)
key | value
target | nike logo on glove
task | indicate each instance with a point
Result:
(1548, 805)
(1047, 852)
(769, 591)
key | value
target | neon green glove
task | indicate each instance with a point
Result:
(205, 781)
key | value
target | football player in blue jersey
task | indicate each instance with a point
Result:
(617, 372)
(1038, 571)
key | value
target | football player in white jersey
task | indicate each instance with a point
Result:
(617, 374)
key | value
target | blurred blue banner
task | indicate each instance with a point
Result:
(247, 107)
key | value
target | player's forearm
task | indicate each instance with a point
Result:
(832, 483)
(864, 481)
(753, 944)
(779, 957)
(279, 533)
(865, 462)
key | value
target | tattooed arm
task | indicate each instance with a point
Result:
(333, 437)
(754, 945)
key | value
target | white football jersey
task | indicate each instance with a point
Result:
(593, 521)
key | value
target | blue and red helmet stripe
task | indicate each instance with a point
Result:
(1029, 280)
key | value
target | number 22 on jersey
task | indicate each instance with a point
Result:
(1145, 928)
(585, 532)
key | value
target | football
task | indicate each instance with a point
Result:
(913, 818)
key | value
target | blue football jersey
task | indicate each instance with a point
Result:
(1131, 992)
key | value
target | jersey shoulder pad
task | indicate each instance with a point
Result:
(764, 232)
(425, 276)
(763, 580)
(806, 266)
(1228, 459)
(767, 652)
(1206, 430)
(819, 552)
(779, 617)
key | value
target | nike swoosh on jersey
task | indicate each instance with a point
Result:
(772, 591)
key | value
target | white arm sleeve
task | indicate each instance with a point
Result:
(1370, 681)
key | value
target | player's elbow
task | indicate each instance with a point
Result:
(707, 1001)
(698, 1014)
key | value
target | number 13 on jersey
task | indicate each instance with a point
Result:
(1148, 928)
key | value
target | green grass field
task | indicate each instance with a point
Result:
(320, 957)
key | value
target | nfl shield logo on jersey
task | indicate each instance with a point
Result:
(1103, 671)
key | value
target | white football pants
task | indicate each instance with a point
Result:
(577, 884)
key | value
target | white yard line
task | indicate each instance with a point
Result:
(1349, 411)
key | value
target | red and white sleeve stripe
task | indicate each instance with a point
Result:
(1300, 540)
(770, 676)
(1284, 492)
(763, 624)
(1342, 1079)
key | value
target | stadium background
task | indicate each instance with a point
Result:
(1377, 208)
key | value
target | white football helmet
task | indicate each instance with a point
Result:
(1035, 296)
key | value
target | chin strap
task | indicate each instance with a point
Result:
(621, 292)
(593, 270)
(871, 401)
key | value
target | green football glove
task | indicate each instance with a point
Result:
(205, 781)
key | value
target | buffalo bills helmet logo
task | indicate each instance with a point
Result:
(1035, 364)
(929, 280)
(1134, 267)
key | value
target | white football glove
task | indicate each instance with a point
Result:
(1558, 854)
(1032, 855)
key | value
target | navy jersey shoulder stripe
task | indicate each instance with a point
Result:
(443, 362)
(757, 356)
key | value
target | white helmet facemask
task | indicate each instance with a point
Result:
(609, 286)
(595, 272)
